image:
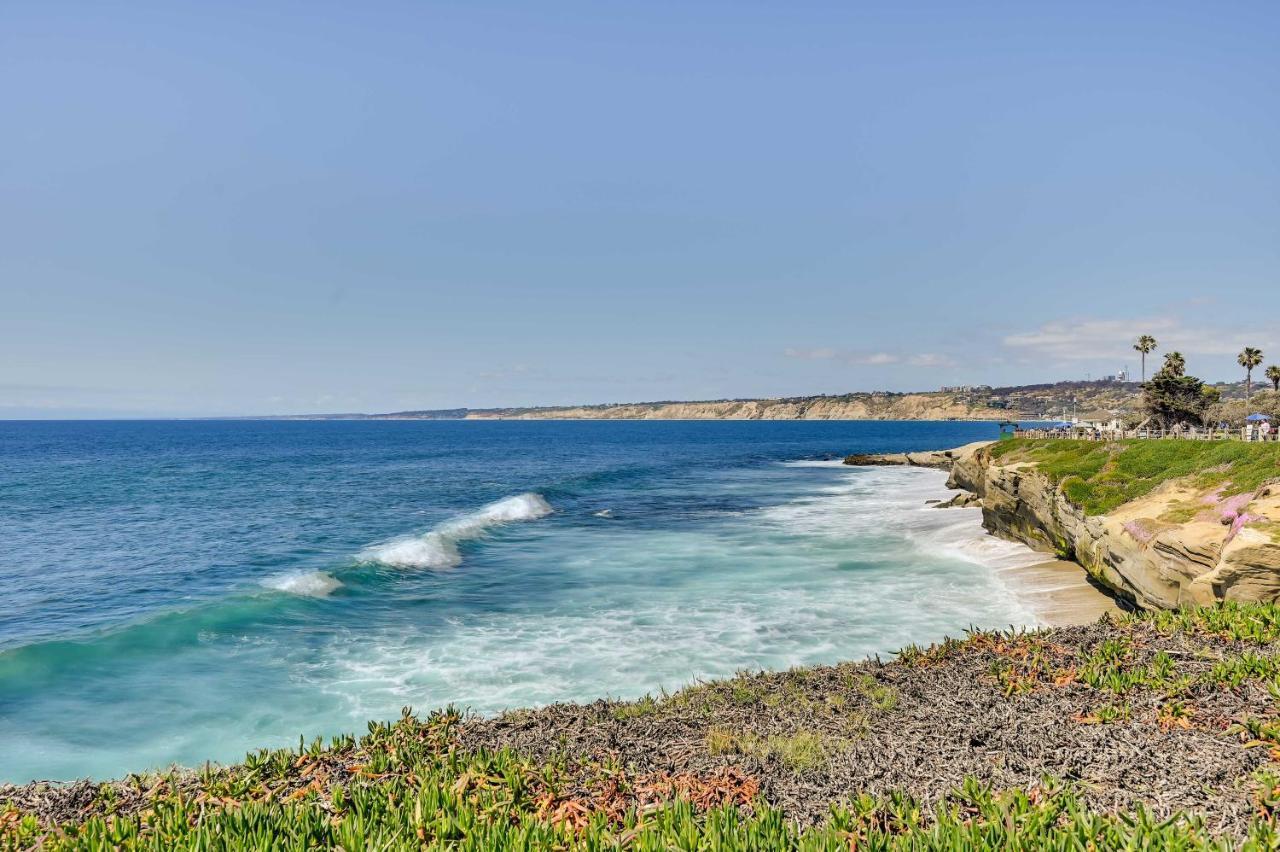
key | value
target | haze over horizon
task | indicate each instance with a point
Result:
(235, 209)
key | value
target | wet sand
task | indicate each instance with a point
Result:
(1060, 593)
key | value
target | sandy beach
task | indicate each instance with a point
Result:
(1060, 593)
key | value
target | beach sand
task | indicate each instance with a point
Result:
(1060, 593)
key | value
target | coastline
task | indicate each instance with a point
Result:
(1162, 524)
(1159, 524)
(1059, 592)
(997, 721)
(977, 403)
(1022, 716)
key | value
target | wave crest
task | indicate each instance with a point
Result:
(315, 584)
(439, 547)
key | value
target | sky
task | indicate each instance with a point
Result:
(274, 207)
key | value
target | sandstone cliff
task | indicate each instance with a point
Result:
(980, 402)
(868, 406)
(943, 459)
(1177, 545)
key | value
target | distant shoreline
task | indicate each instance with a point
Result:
(530, 419)
(966, 403)
(979, 403)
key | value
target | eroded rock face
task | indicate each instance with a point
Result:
(870, 406)
(1224, 552)
(943, 459)
(961, 500)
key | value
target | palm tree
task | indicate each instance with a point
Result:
(1146, 343)
(1249, 358)
(1174, 364)
(1273, 373)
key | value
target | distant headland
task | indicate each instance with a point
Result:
(1113, 396)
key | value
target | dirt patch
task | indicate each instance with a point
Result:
(922, 725)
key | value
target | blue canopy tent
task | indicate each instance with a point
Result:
(1254, 418)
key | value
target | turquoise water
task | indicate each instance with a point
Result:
(185, 591)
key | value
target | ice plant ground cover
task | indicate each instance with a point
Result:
(1100, 476)
(1167, 725)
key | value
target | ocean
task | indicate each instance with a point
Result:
(184, 591)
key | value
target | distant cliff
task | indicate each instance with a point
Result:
(865, 406)
(1104, 399)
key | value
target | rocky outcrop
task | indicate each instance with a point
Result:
(963, 500)
(1175, 546)
(942, 459)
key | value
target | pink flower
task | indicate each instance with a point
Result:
(1139, 531)
(1239, 521)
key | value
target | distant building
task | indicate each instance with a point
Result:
(1101, 420)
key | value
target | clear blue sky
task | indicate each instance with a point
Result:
(269, 207)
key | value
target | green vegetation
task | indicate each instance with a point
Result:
(461, 806)
(1123, 663)
(1098, 476)
(1256, 624)
(646, 706)
(412, 794)
(1107, 713)
(800, 752)
(1172, 397)
(882, 696)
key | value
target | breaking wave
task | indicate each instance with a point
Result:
(439, 547)
(314, 584)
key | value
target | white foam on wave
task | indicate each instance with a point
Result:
(814, 463)
(313, 584)
(899, 500)
(858, 500)
(964, 538)
(881, 504)
(855, 564)
(439, 547)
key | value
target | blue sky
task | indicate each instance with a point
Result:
(221, 208)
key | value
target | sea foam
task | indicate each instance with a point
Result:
(853, 562)
(439, 547)
(314, 584)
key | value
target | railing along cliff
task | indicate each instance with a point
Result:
(1246, 434)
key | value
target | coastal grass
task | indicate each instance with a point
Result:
(882, 696)
(800, 752)
(724, 766)
(1100, 476)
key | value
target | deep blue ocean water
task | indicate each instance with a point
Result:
(185, 591)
